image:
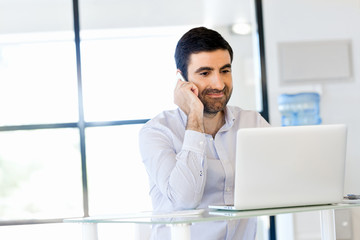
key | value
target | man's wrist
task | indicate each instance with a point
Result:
(195, 122)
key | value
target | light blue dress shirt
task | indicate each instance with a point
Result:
(189, 169)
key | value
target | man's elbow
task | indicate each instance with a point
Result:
(188, 200)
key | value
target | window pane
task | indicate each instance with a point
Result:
(19, 16)
(40, 174)
(38, 83)
(129, 77)
(117, 179)
(37, 62)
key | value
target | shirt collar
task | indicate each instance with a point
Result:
(229, 119)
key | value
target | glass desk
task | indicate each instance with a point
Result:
(180, 221)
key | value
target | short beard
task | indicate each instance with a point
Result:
(213, 106)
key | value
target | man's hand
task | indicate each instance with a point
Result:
(186, 97)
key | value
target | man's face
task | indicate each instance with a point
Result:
(211, 73)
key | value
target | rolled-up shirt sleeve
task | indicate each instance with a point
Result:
(180, 176)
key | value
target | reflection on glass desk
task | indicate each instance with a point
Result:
(180, 221)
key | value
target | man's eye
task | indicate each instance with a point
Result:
(204, 73)
(226, 71)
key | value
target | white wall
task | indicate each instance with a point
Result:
(309, 20)
(304, 20)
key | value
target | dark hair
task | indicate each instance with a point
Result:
(198, 40)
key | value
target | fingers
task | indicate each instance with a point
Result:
(186, 97)
(195, 90)
(180, 83)
(184, 86)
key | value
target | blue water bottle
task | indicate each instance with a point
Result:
(299, 109)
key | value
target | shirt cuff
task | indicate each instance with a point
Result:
(194, 141)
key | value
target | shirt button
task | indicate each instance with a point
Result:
(228, 189)
(201, 142)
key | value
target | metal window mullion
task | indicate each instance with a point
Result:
(261, 43)
(116, 123)
(38, 126)
(265, 108)
(81, 124)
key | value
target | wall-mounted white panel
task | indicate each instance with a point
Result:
(313, 61)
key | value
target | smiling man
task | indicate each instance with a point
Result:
(189, 152)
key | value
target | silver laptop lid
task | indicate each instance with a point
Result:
(290, 166)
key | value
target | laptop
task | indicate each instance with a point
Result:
(289, 166)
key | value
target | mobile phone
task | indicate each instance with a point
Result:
(180, 76)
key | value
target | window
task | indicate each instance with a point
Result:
(69, 145)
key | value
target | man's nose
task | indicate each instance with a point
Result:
(217, 82)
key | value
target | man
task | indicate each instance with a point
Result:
(189, 153)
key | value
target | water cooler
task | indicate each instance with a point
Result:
(299, 109)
